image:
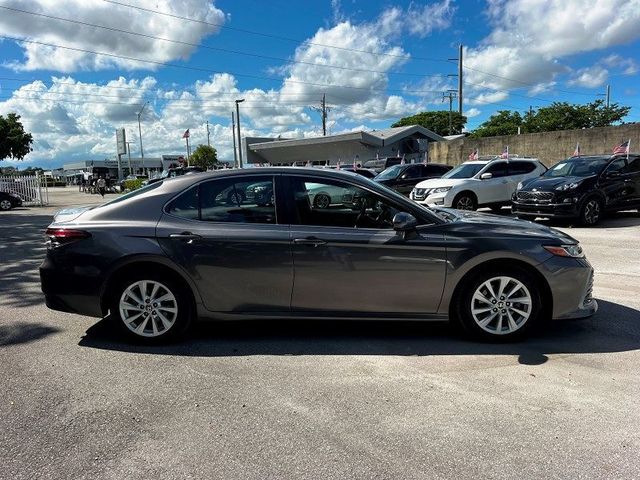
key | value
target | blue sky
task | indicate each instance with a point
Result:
(376, 61)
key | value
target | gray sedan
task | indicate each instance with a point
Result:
(177, 250)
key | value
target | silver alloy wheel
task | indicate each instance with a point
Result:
(322, 200)
(501, 305)
(5, 205)
(148, 308)
(464, 203)
(592, 211)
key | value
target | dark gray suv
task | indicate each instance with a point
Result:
(205, 246)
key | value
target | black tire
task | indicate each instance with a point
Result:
(465, 302)
(591, 212)
(321, 201)
(6, 205)
(180, 322)
(465, 201)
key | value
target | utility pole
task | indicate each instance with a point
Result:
(608, 95)
(450, 94)
(140, 135)
(460, 80)
(233, 132)
(238, 102)
(208, 137)
(323, 110)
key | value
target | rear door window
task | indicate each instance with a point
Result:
(497, 170)
(521, 168)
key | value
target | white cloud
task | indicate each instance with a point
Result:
(625, 66)
(47, 30)
(590, 77)
(472, 112)
(531, 37)
(488, 98)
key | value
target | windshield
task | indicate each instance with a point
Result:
(466, 170)
(389, 173)
(577, 167)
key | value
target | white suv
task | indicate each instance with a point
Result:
(479, 183)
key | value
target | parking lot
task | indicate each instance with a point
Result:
(318, 400)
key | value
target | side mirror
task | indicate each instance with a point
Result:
(486, 176)
(404, 222)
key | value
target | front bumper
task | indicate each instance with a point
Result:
(571, 284)
(433, 200)
(552, 210)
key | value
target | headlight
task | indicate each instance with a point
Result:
(574, 251)
(519, 186)
(441, 190)
(567, 186)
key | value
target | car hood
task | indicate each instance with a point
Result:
(441, 182)
(69, 214)
(550, 183)
(489, 225)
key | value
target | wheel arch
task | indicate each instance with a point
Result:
(496, 265)
(465, 191)
(146, 263)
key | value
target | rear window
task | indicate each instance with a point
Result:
(135, 193)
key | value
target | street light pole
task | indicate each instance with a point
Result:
(238, 102)
(129, 152)
(233, 132)
(140, 135)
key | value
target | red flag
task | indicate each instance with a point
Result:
(576, 152)
(474, 155)
(505, 153)
(186, 134)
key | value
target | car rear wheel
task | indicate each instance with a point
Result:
(5, 205)
(465, 201)
(151, 309)
(591, 212)
(500, 306)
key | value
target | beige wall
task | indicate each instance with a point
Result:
(550, 147)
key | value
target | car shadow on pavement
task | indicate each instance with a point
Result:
(22, 249)
(23, 332)
(614, 328)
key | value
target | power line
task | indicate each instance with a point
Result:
(208, 70)
(208, 47)
(268, 35)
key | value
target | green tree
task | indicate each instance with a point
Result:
(504, 122)
(14, 141)
(204, 156)
(437, 122)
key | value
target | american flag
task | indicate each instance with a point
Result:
(338, 165)
(576, 152)
(355, 162)
(505, 152)
(622, 148)
(186, 134)
(473, 155)
(403, 161)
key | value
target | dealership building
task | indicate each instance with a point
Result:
(412, 142)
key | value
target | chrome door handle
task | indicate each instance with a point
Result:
(312, 242)
(184, 236)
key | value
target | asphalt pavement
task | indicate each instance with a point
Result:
(263, 400)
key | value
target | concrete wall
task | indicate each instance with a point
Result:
(550, 147)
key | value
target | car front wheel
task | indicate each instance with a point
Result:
(591, 212)
(5, 205)
(151, 309)
(500, 306)
(465, 201)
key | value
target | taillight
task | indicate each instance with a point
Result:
(61, 236)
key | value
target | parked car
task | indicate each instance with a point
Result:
(582, 188)
(403, 178)
(160, 256)
(9, 200)
(176, 172)
(380, 164)
(479, 183)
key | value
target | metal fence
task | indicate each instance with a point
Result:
(31, 188)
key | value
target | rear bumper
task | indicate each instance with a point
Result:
(70, 291)
(554, 210)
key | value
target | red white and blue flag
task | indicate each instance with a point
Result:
(622, 148)
(576, 152)
(402, 162)
(474, 155)
(186, 134)
(505, 152)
